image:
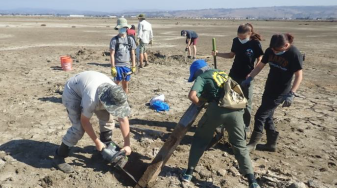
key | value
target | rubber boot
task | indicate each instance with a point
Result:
(254, 140)
(60, 154)
(106, 137)
(272, 137)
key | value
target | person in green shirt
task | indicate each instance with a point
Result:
(207, 88)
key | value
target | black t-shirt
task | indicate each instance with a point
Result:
(282, 69)
(245, 56)
(191, 34)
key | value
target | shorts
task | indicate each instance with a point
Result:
(142, 47)
(122, 74)
(194, 41)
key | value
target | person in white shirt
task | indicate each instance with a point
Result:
(145, 37)
(85, 94)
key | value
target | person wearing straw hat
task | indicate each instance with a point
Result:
(89, 93)
(145, 37)
(122, 51)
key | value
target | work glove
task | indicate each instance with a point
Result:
(133, 69)
(254, 185)
(246, 83)
(137, 42)
(288, 99)
(186, 49)
(151, 42)
(113, 72)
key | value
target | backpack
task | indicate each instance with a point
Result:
(232, 96)
(129, 44)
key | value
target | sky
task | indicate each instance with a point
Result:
(136, 5)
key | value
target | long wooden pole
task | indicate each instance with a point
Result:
(150, 175)
(214, 49)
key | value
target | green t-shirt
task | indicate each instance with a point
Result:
(209, 85)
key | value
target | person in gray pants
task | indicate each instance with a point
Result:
(89, 93)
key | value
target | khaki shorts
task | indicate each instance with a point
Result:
(142, 47)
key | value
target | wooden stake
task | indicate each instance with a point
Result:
(150, 175)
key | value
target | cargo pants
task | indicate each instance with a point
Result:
(248, 92)
(76, 131)
(232, 120)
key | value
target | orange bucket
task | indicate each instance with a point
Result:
(66, 63)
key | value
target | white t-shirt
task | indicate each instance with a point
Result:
(145, 31)
(83, 87)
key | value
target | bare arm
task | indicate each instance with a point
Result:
(193, 97)
(125, 129)
(297, 81)
(188, 43)
(112, 58)
(258, 60)
(133, 57)
(85, 122)
(256, 70)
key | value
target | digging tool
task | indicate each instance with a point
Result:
(185, 56)
(214, 49)
(150, 175)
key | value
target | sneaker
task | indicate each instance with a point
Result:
(186, 177)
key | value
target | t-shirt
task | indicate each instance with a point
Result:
(191, 34)
(122, 56)
(145, 32)
(83, 87)
(207, 87)
(131, 32)
(245, 56)
(282, 69)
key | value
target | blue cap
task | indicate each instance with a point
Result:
(196, 65)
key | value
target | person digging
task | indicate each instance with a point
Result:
(89, 93)
(207, 87)
(191, 39)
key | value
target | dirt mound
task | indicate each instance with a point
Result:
(162, 58)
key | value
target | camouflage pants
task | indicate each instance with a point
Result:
(76, 131)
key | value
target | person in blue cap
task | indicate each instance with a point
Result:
(207, 89)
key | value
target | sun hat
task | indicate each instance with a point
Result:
(114, 100)
(121, 23)
(196, 65)
(141, 16)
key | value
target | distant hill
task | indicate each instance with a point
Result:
(290, 12)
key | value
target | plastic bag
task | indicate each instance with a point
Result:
(157, 98)
(160, 106)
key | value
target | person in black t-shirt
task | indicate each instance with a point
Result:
(191, 39)
(285, 60)
(247, 50)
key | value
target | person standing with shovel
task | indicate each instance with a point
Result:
(246, 50)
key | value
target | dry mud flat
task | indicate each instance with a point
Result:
(33, 120)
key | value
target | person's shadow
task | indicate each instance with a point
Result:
(40, 154)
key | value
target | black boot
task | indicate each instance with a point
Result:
(59, 162)
(254, 140)
(106, 137)
(272, 137)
